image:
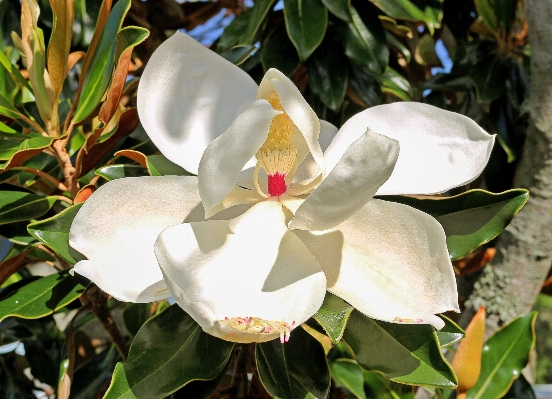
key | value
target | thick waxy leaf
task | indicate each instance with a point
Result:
(487, 14)
(406, 353)
(430, 13)
(119, 171)
(365, 43)
(377, 386)
(306, 23)
(16, 206)
(7, 109)
(258, 14)
(169, 351)
(396, 84)
(339, 8)
(54, 232)
(159, 165)
(346, 371)
(333, 315)
(100, 70)
(450, 333)
(238, 54)
(43, 296)
(489, 76)
(16, 153)
(505, 11)
(328, 74)
(14, 71)
(278, 52)
(505, 354)
(469, 219)
(294, 369)
(60, 43)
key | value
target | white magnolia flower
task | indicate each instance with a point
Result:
(282, 206)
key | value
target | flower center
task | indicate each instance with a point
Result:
(278, 154)
(256, 325)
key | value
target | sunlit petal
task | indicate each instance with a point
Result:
(389, 261)
(118, 225)
(251, 266)
(439, 149)
(364, 167)
(188, 95)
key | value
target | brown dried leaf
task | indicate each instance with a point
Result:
(60, 43)
(12, 265)
(136, 156)
(72, 59)
(117, 86)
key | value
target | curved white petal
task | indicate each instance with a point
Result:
(439, 149)
(117, 227)
(364, 167)
(226, 156)
(251, 266)
(389, 261)
(187, 96)
(299, 112)
(327, 134)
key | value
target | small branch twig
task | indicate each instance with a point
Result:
(69, 172)
(97, 302)
(59, 185)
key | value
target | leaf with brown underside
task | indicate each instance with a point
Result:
(136, 156)
(60, 43)
(474, 262)
(128, 123)
(24, 151)
(72, 59)
(84, 193)
(12, 265)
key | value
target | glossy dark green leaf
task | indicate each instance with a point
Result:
(113, 172)
(7, 109)
(333, 316)
(377, 386)
(366, 87)
(406, 353)
(489, 76)
(469, 219)
(429, 12)
(169, 351)
(135, 315)
(521, 389)
(258, 14)
(202, 389)
(100, 70)
(365, 41)
(345, 371)
(328, 74)
(15, 153)
(450, 333)
(396, 84)
(43, 296)
(14, 71)
(159, 165)
(16, 206)
(505, 11)
(279, 52)
(238, 54)
(54, 232)
(294, 369)
(339, 8)
(505, 354)
(487, 14)
(306, 23)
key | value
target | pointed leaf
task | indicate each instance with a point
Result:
(346, 371)
(430, 12)
(17, 206)
(487, 14)
(333, 316)
(42, 297)
(339, 8)
(380, 387)
(469, 219)
(505, 354)
(159, 165)
(113, 172)
(294, 369)
(60, 43)
(169, 351)
(278, 52)
(238, 54)
(450, 333)
(405, 353)
(258, 14)
(54, 232)
(14, 71)
(306, 23)
(15, 154)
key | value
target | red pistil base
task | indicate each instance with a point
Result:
(276, 184)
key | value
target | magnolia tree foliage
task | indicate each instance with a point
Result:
(275, 189)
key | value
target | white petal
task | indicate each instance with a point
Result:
(299, 112)
(439, 149)
(389, 261)
(327, 134)
(237, 196)
(251, 266)
(117, 227)
(226, 156)
(187, 96)
(364, 167)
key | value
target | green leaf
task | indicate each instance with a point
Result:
(16, 153)
(54, 232)
(469, 219)
(258, 14)
(16, 206)
(294, 369)
(450, 333)
(199, 389)
(238, 54)
(135, 315)
(429, 12)
(487, 14)
(306, 23)
(339, 8)
(113, 172)
(489, 76)
(505, 11)
(396, 84)
(169, 351)
(279, 52)
(7, 109)
(345, 370)
(365, 41)
(505, 354)
(100, 71)
(14, 71)
(333, 316)
(43, 296)
(380, 387)
(405, 353)
(159, 165)
(328, 73)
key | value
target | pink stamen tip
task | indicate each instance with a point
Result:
(293, 323)
(276, 184)
(400, 321)
(419, 320)
(226, 318)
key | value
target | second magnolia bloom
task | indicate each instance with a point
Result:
(274, 218)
